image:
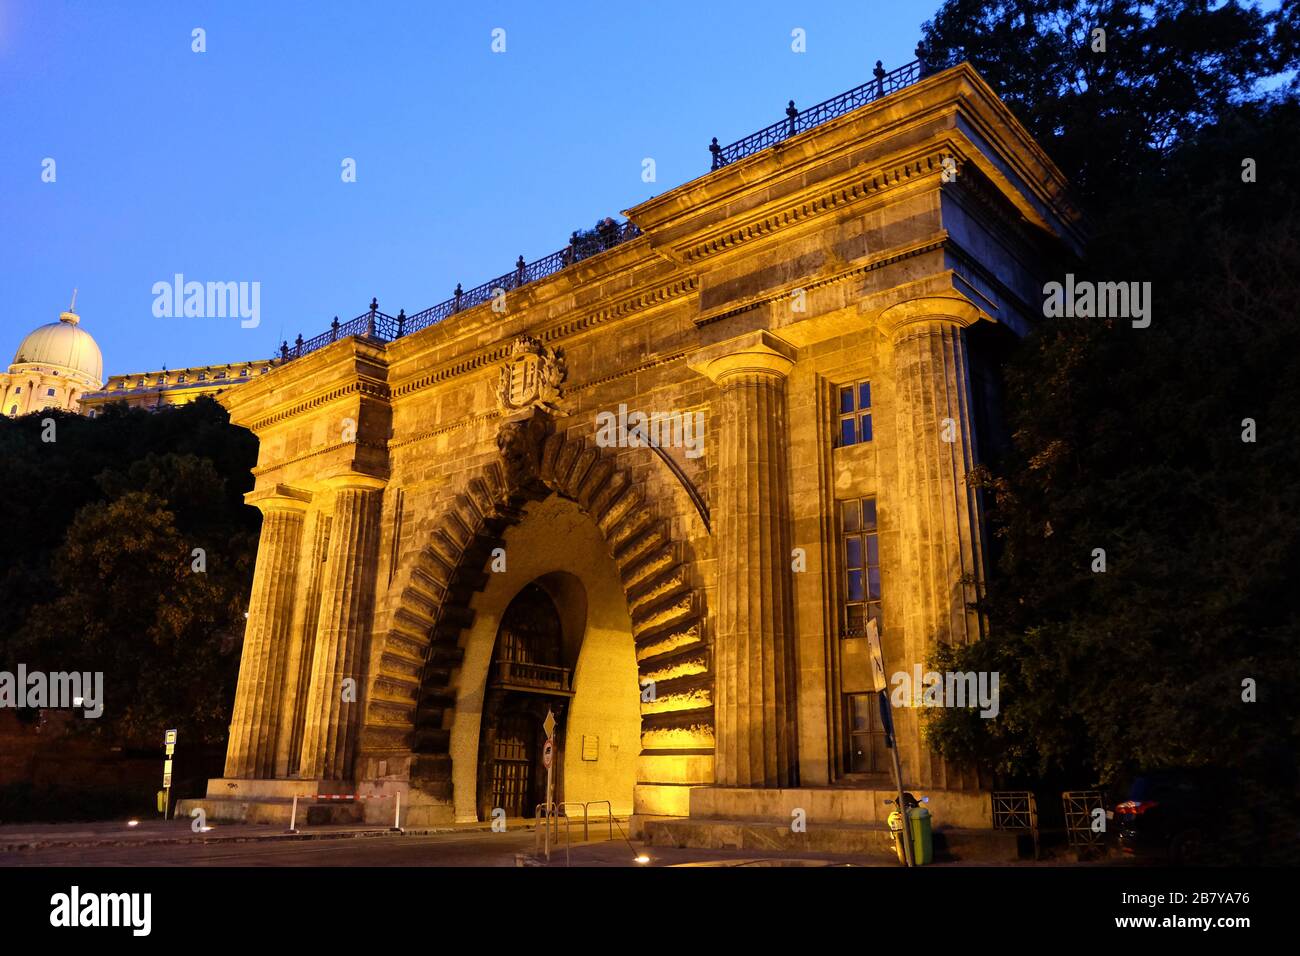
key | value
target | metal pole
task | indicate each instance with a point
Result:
(397, 814)
(905, 835)
(293, 816)
(550, 805)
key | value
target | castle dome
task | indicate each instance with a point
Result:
(63, 345)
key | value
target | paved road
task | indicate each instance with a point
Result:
(468, 848)
(464, 848)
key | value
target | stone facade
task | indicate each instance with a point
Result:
(896, 245)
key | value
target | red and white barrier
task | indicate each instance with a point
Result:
(397, 812)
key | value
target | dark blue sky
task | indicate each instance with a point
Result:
(225, 165)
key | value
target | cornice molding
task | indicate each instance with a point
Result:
(937, 242)
(397, 443)
(862, 185)
(554, 331)
(324, 450)
(369, 388)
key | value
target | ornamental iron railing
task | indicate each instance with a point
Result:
(607, 234)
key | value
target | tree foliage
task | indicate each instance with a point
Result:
(1132, 440)
(98, 572)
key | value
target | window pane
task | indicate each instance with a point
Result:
(864, 431)
(873, 583)
(850, 515)
(868, 514)
(864, 395)
(847, 435)
(853, 552)
(859, 758)
(853, 621)
(860, 709)
(846, 401)
(880, 751)
(855, 586)
(873, 551)
(873, 614)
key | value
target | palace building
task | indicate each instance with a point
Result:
(55, 366)
(155, 390)
(59, 366)
(452, 548)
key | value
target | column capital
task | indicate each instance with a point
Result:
(352, 480)
(278, 498)
(758, 352)
(945, 309)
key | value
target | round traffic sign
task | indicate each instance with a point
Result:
(548, 753)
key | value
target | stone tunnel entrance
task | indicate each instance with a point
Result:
(551, 632)
(526, 680)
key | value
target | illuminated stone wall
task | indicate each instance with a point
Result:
(880, 246)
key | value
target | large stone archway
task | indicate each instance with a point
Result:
(411, 708)
(845, 262)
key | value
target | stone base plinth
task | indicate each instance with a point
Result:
(271, 801)
(239, 800)
(842, 839)
(836, 805)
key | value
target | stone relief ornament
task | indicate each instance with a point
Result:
(531, 377)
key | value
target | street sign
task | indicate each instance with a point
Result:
(169, 742)
(877, 657)
(548, 758)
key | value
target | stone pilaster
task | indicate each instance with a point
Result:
(255, 722)
(297, 677)
(938, 514)
(754, 700)
(330, 732)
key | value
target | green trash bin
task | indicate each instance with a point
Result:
(922, 837)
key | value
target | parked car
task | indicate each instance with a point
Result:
(1177, 816)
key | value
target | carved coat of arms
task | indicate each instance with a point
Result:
(531, 377)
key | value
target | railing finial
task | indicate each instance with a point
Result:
(715, 149)
(793, 114)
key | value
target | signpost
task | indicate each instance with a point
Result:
(887, 721)
(548, 759)
(169, 743)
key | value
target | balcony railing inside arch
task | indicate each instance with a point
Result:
(608, 233)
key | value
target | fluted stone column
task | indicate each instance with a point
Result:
(330, 735)
(297, 677)
(255, 722)
(754, 695)
(937, 511)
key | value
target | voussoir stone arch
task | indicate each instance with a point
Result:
(413, 694)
